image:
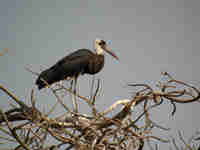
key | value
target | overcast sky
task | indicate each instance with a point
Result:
(149, 36)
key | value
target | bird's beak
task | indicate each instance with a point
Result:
(109, 51)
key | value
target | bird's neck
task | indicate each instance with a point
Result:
(99, 50)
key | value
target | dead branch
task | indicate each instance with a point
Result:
(95, 131)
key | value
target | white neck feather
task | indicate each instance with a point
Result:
(99, 50)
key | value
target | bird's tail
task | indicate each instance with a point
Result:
(47, 77)
(41, 81)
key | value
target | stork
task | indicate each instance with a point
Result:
(82, 61)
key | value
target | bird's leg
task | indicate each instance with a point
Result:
(71, 85)
(92, 87)
(74, 100)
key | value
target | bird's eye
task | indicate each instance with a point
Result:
(102, 43)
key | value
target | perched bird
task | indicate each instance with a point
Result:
(82, 61)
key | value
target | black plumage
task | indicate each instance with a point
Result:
(79, 62)
(82, 61)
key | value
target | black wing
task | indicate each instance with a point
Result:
(74, 63)
(71, 65)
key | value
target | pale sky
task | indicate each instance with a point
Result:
(149, 36)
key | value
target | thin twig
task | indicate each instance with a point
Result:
(13, 132)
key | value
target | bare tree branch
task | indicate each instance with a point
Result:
(75, 130)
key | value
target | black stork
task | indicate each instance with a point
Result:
(82, 61)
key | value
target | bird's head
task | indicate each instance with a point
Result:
(101, 46)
